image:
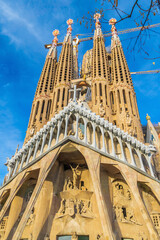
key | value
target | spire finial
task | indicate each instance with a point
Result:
(115, 39)
(148, 117)
(97, 16)
(69, 23)
(55, 40)
(112, 22)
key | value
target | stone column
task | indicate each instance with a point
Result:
(93, 160)
(44, 204)
(131, 179)
(14, 212)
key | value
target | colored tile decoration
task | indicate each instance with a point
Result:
(55, 32)
(70, 21)
(112, 21)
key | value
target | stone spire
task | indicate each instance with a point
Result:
(64, 72)
(122, 95)
(100, 72)
(43, 100)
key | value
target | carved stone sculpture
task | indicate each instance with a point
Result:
(74, 236)
(80, 134)
(46, 237)
(102, 111)
(122, 204)
(76, 173)
(31, 218)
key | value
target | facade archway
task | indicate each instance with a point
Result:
(89, 133)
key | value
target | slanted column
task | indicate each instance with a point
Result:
(131, 155)
(66, 127)
(122, 150)
(10, 168)
(77, 119)
(140, 159)
(16, 166)
(94, 135)
(43, 142)
(85, 130)
(36, 147)
(58, 132)
(23, 158)
(149, 156)
(29, 154)
(112, 142)
(50, 137)
(103, 141)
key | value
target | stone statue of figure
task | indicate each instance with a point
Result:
(30, 237)
(128, 119)
(76, 173)
(74, 236)
(46, 237)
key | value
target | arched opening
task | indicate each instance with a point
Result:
(89, 133)
(136, 158)
(106, 93)
(48, 109)
(4, 198)
(117, 148)
(124, 96)
(81, 129)
(62, 131)
(145, 163)
(98, 138)
(100, 89)
(126, 152)
(71, 125)
(108, 143)
(32, 111)
(39, 147)
(36, 112)
(151, 204)
(54, 136)
(45, 148)
(42, 110)
(95, 94)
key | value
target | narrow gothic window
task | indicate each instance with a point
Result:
(124, 97)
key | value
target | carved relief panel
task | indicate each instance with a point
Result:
(75, 198)
(126, 213)
(123, 204)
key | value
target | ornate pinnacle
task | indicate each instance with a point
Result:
(112, 22)
(69, 23)
(55, 40)
(97, 16)
(148, 117)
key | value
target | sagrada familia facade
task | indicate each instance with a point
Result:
(84, 171)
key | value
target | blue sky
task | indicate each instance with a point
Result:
(25, 26)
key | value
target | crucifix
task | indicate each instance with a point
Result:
(75, 90)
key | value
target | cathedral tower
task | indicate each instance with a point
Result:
(64, 72)
(42, 103)
(100, 73)
(122, 95)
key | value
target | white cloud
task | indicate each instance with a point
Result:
(14, 17)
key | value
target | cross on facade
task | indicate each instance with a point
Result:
(75, 90)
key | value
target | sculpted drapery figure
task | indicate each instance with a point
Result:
(76, 173)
